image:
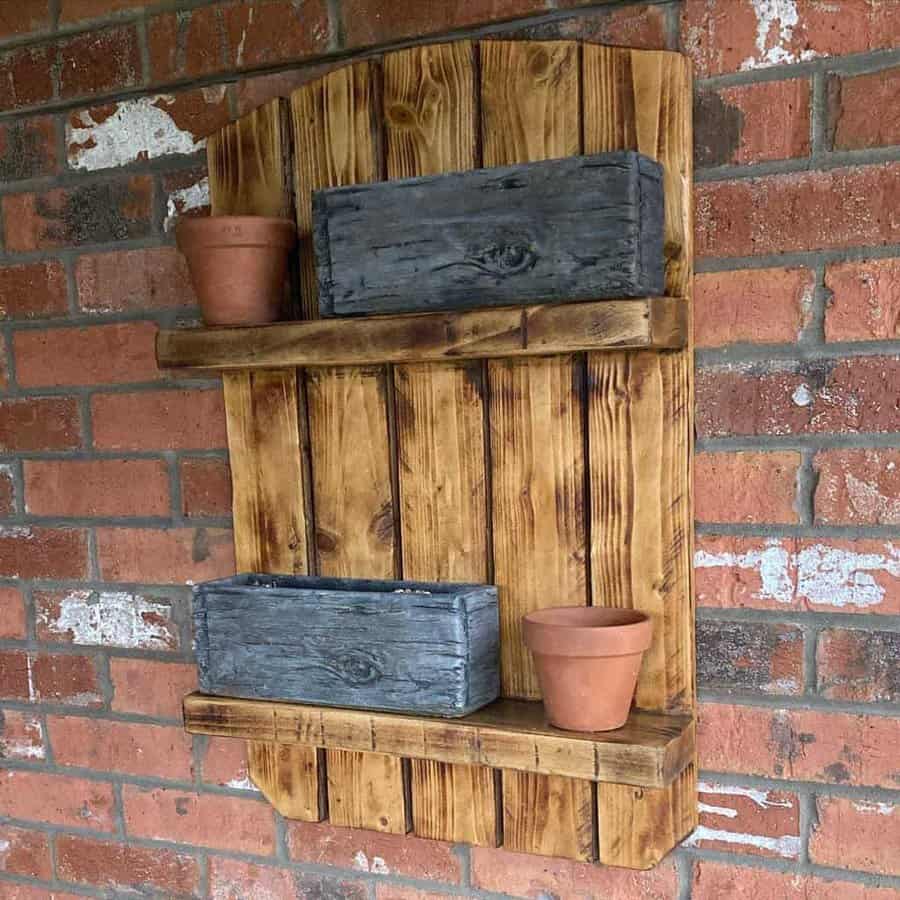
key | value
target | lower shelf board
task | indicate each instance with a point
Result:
(650, 750)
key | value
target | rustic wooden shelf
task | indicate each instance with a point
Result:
(650, 323)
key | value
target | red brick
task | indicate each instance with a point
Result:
(25, 76)
(224, 763)
(858, 395)
(173, 556)
(7, 492)
(189, 117)
(21, 736)
(106, 618)
(28, 148)
(96, 487)
(751, 123)
(350, 848)
(724, 35)
(805, 744)
(187, 194)
(65, 678)
(23, 18)
(79, 10)
(858, 665)
(150, 688)
(802, 211)
(24, 852)
(96, 354)
(57, 799)
(760, 306)
(14, 681)
(33, 290)
(864, 301)
(39, 423)
(854, 834)
(851, 101)
(88, 213)
(254, 91)
(746, 486)
(29, 551)
(16, 891)
(825, 575)
(133, 280)
(153, 751)
(193, 36)
(205, 487)
(540, 876)
(637, 25)
(273, 31)
(399, 892)
(368, 22)
(87, 861)
(858, 487)
(168, 420)
(12, 613)
(99, 61)
(229, 879)
(750, 657)
(244, 825)
(756, 821)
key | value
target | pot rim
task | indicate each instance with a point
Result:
(587, 638)
(210, 232)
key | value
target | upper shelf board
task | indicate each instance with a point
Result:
(541, 330)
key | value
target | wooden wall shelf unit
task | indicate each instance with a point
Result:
(545, 449)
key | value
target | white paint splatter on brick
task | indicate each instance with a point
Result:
(195, 196)
(717, 810)
(241, 784)
(880, 809)
(772, 564)
(829, 576)
(760, 797)
(138, 129)
(802, 395)
(787, 846)
(781, 17)
(377, 866)
(116, 618)
(869, 502)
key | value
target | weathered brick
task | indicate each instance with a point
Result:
(273, 31)
(205, 487)
(731, 35)
(154, 751)
(33, 290)
(351, 848)
(855, 834)
(88, 213)
(858, 487)
(757, 821)
(805, 744)
(401, 892)
(185, 43)
(64, 678)
(751, 123)
(7, 492)
(21, 734)
(151, 688)
(864, 300)
(639, 25)
(149, 127)
(802, 211)
(820, 574)
(255, 90)
(24, 852)
(21, 891)
(57, 799)
(105, 864)
(25, 18)
(79, 10)
(224, 763)
(750, 657)
(168, 419)
(746, 486)
(97, 61)
(106, 618)
(245, 825)
(760, 306)
(228, 880)
(852, 664)
(14, 675)
(12, 613)
(39, 423)
(29, 551)
(851, 101)
(312, 885)
(187, 194)
(177, 555)
(96, 487)
(539, 876)
(28, 148)
(132, 280)
(25, 76)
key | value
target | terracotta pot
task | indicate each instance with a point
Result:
(238, 265)
(587, 660)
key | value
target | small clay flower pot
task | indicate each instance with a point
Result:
(587, 660)
(238, 265)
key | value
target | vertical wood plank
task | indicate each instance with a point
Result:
(249, 174)
(336, 132)
(429, 115)
(530, 110)
(640, 437)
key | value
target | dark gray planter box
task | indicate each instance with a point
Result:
(579, 228)
(404, 646)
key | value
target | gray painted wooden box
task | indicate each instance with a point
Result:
(405, 646)
(579, 228)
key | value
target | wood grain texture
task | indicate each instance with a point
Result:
(641, 442)
(365, 790)
(650, 750)
(289, 777)
(431, 337)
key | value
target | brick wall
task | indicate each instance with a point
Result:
(114, 483)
